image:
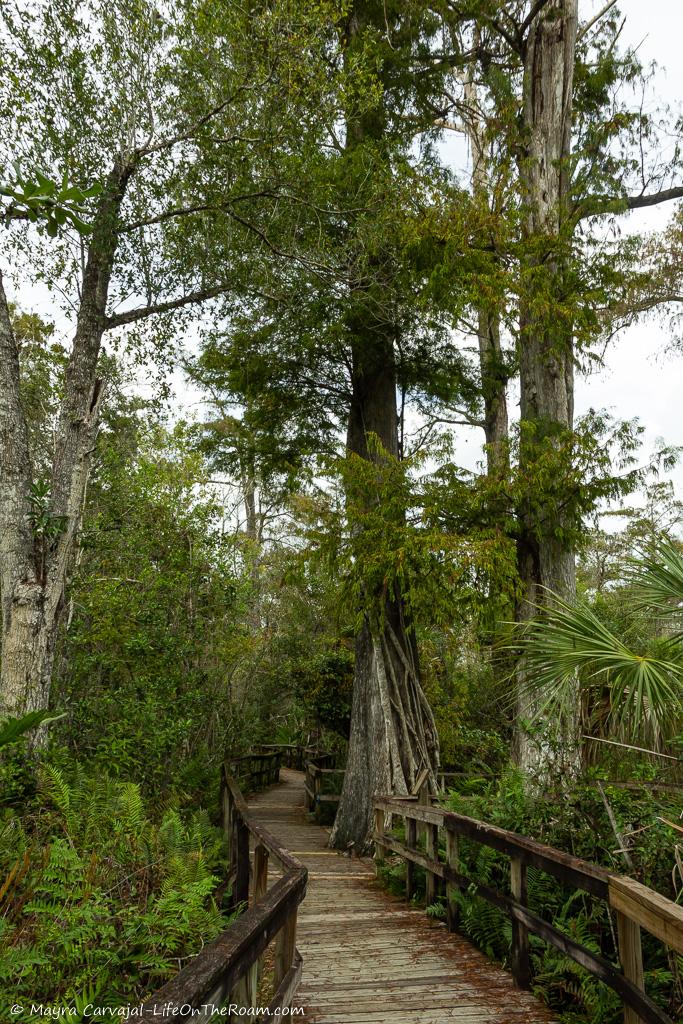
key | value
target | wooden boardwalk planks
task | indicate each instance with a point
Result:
(370, 959)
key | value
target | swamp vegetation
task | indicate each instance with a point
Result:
(263, 269)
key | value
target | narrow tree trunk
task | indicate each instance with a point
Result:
(251, 528)
(34, 570)
(545, 557)
(494, 376)
(493, 386)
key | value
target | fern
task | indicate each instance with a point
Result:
(56, 787)
(102, 901)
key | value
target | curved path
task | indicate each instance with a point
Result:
(368, 957)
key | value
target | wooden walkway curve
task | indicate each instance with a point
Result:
(368, 958)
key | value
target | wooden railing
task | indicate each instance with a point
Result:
(293, 755)
(634, 905)
(256, 770)
(323, 782)
(228, 970)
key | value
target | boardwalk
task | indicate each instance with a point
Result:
(368, 958)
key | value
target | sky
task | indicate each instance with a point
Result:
(640, 377)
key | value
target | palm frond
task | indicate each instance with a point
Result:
(570, 642)
(657, 577)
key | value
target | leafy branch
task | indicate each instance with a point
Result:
(37, 198)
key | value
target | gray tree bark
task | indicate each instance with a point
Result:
(546, 354)
(34, 570)
(393, 735)
(494, 376)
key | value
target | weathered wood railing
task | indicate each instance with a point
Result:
(227, 971)
(323, 781)
(634, 905)
(293, 755)
(256, 770)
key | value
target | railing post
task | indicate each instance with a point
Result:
(380, 849)
(259, 889)
(240, 858)
(521, 964)
(244, 993)
(260, 885)
(308, 787)
(411, 843)
(424, 799)
(453, 861)
(285, 947)
(631, 958)
(432, 851)
(226, 803)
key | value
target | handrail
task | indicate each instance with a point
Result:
(227, 970)
(316, 771)
(257, 769)
(294, 755)
(635, 905)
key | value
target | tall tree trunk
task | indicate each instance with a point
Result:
(494, 376)
(21, 681)
(35, 567)
(393, 735)
(494, 380)
(251, 525)
(545, 558)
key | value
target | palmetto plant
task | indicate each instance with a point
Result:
(643, 687)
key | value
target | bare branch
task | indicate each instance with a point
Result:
(585, 29)
(131, 316)
(186, 211)
(187, 133)
(596, 206)
(654, 198)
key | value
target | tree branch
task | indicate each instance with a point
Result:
(597, 206)
(654, 198)
(536, 9)
(185, 134)
(186, 211)
(131, 316)
(585, 29)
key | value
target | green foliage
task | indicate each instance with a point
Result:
(155, 601)
(96, 898)
(13, 729)
(285, 159)
(392, 534)
(644, 683)
(393, 875)
(324, 685)
(51, 204)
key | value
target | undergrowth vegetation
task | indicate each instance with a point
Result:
(99, 902)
